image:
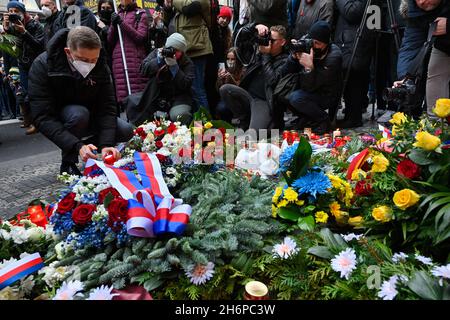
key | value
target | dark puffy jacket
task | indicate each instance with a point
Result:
(269, 12)
(53, 85)
(50, 26)
(134, 37)
(309, 13)
(350, 14)
(416, 32)
(171, 88)
(272, 67)
(87, 18)
(326, 77)
(31, 43)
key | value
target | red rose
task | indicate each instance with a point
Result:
(159, 132)
(158, 144)
(408, 169)
(172, 128)
(66, 204)
(102, 195)
(363, 188)
(117, 210)
(141, 132)
(83, 214)
(161, 157)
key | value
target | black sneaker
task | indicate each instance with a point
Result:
(70, 168)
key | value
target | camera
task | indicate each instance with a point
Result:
(168, 52)
(14, 18)
(403, 93)
(304, 44)
(263, 40)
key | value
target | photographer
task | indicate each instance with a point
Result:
(30, 36)
(320, 78)
(252, 101)
(420, 14)
(172, 73)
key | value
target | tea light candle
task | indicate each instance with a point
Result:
(255, 290)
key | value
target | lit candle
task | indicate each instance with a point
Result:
(37, 215)
(255, 290)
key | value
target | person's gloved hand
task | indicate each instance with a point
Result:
(116, 19)
(170, 61)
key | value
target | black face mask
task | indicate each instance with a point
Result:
(105, 14)
(318, 53)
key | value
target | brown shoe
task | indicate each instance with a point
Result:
(31, 130)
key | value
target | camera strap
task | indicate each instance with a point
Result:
(417, 65)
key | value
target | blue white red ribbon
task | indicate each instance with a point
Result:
(386, 132)
(152, 210)
(14, 271)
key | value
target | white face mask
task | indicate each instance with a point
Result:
(47, 12)
(231, 64)
(84, 68)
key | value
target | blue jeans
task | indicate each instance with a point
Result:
(76, 119)
(198, 86)
(309, 105)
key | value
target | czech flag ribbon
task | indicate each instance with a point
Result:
(385, 131)
(17, 270)
(152, 210)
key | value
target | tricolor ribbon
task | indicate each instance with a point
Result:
(14, 271)
(385, 131)
(152, 210)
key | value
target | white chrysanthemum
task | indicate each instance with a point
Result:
(19, 235)
(122, 162)
(5, 235)
(285, 249)
(388, 289)
(351, 236)
(199, 274)
(171, 170)
(102, 293)
(344, 262)
(5, 262)
(100, 213)
(425, 260)
(35, 234)
(443, 272)
(69, 290)
(399, 257)
(27, 284)
(164, 151)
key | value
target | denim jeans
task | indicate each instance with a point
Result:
(198, 86)
(76, 119)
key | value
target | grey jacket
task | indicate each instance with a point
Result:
(309, 13)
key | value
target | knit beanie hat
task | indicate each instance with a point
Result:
(17, 5)
(225, 12)
(177, 41)
(320, 31)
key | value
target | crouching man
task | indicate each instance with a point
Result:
(72, 98)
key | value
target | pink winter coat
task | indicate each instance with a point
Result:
(134, 38)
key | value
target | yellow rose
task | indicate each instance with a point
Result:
(358, 174)
(382, 213)
(380, 163)
(442, 109)
(426, 141)
(277, 194)
(405, 198)
(356, 221)
(208, 125)
(290, 195)
(398, 118)
(321, 217)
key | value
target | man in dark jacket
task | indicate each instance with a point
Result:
(70, 9)
(319, 81)
(31, 43)
(311, 11)
(252, 101)
(420, 13)
(173, 76)
(350, 14)
(50, 12)
(72, 97)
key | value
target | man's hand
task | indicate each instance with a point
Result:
(306, 60)
(441, 27)
(116, 19)
(262, 30)
(265, 50)
(6, 21)
(101, 24)
(113, 151)
(87, 152)
(19, 27)
(398, 83)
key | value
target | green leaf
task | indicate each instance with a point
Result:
(306, 223)
(289, 213)
(109, 197)
(445, 213)
(420, 157)
(302, 156)
(153, 283)
(425, 286)
(221, 124)
(201, 115)
(321, 252)
(334, 241)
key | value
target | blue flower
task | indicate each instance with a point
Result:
(312, 183)
(286, 157)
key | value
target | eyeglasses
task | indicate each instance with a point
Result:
(273, 40)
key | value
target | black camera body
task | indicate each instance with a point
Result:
(304, 44)
(14, 18)
(402, 94)
(168, 52)
(263, 40)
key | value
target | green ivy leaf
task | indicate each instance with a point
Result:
(306, 223)
(289, 213)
